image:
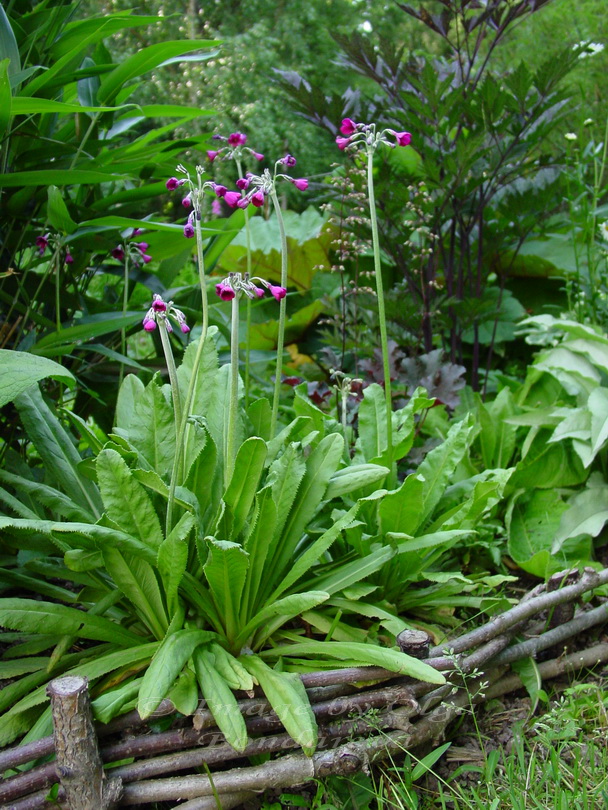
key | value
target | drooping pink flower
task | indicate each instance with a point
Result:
(187, 202)
(225, 291)
(69, 259)
(142, 246)
(216, 207)
(219, 189)
(188, 230)
(173, 183)
(342, 142)
(212, 154)
(146, 258)
(257, 199)
(288, 160)
(149, 324)
(243, 183)
(258, 155)
(158, 305)
(301, 184)
(402, 138)
(348, 126)
(184, 327)
(118, 253)
(243, 202)
(42, 243)
(277, 292)
(237, 139)
(232, 198)
(259, 291)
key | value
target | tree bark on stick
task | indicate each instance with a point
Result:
(79, 763)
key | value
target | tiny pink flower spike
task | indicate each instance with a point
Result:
(258, 155)
(301, 184)
(149, 324)
(69, 259)
(277, 292)
(173, 182)
(118, 253)
(403, 138)
(342, 142)
(188, 230)
(212, 154)
(232, 198)
(348, 126)
(187, 202)
(257, 199)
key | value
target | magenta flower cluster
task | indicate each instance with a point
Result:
(353, 132)
(235, 144)
(137, 250)
(42, 242)
(228, 288)
(160, 311)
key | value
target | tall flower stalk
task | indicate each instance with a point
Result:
(356, 136)
(232, 288)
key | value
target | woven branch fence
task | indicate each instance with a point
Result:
(365, 714)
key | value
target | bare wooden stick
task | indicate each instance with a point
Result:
(524, 610)
(79, 763)
(227, 801)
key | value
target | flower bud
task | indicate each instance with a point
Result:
(173, 183)
(188, 230)
(342, 142)
(185, 328)
(187, 202)
(212, 154)
(69, 259)
(142, 246)
(149, 324)
(258, 155)
(243, 202)
(146, 258)
(301, 184)
(257, 199)
(403, 138)
(219, 189)
(118, 253)
(242, 183)
(288, 160)
(277, 292)
(158, 305)
(232, 198)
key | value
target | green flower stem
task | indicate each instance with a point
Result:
(123, 331)
(171, 367)
(57, 264)
(248, 316)
(182, 439)
(282, 315)
(381, 310)
(234, 393)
